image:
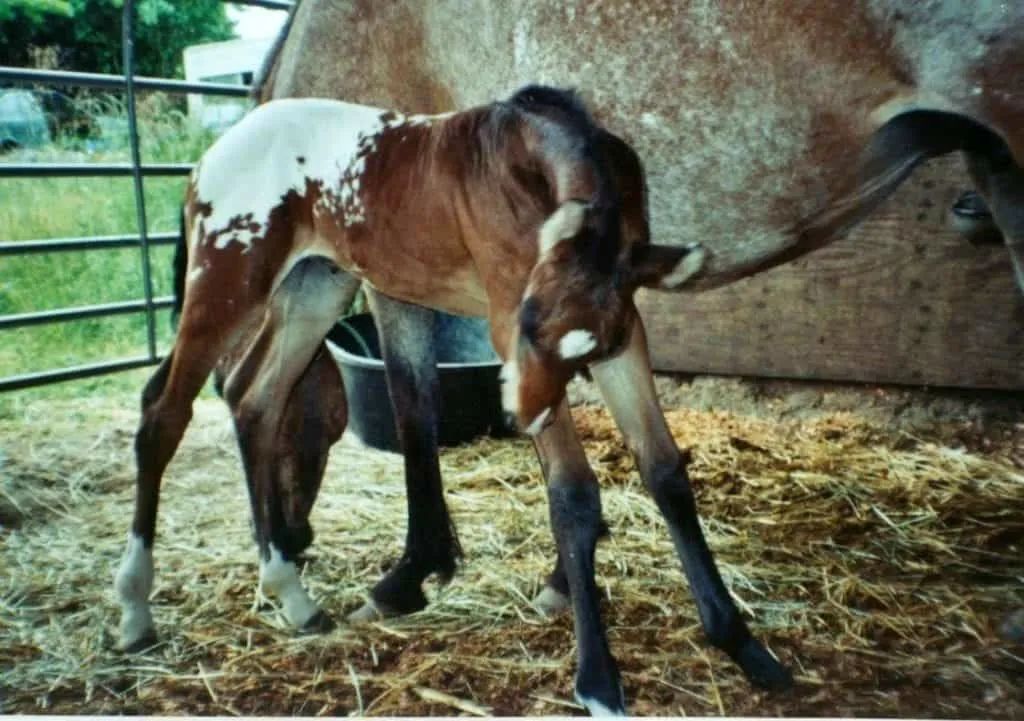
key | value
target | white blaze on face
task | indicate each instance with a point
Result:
(687, 267)
(134, 583)
(510, 387)
(576, 343)
(273, 150)
(280, 578)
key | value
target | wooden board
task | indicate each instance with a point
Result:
(901, 299)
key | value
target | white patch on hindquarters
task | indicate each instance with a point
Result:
(134, 583)
(274, 150)
(538, 423)
(510, 387)
(563, 223)
(688, 266)
(194, 274)
(576, 343)
(280, 578)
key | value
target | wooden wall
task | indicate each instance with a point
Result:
(901, 299)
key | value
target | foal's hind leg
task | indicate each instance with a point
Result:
(166, 411)
(431, 544)
(627, 386)
(274, 371)
(315, 416)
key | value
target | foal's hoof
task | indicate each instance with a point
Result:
(613, 705)
(761, 668)
(143, 643)
(551, 602)
(319, 622)
(1012, 628)
(371, 611)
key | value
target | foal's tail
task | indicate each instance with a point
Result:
(180, 266)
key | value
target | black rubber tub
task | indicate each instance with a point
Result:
(467, 366)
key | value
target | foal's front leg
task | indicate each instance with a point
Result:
(575, 507)
(628, 388)
(431, 544)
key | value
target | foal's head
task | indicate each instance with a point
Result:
(593, 252)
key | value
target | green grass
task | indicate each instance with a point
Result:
(70, 207)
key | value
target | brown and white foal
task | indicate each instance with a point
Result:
(524, 211)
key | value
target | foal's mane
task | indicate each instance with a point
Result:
(490, 139)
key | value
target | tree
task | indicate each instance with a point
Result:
(85, 35)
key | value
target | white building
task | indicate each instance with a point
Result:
(231, 61)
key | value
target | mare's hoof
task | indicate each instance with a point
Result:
(1012, 628)
(143, 643)
(551, 602)
(371, 611)
(319, 622)
(761, 668)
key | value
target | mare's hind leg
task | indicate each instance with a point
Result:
(166, 411)
(628, 388)
(279, 370)
(431, 544)
(1001, 182)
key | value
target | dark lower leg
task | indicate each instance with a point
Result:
(626, 384)
(575, 519)
(575, 510)
(722, 622)
(431, 544)
(556, 580)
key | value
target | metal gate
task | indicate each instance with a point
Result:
(137, 170)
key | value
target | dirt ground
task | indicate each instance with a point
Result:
(873, 536)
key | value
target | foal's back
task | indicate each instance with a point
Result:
(368, 188)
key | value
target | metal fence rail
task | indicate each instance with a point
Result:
(143, 240)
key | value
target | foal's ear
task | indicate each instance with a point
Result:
(666, 267)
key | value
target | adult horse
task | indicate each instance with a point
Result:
(767, 130)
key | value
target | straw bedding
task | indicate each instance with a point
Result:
(876, 562)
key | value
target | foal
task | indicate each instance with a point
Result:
(524, 211)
